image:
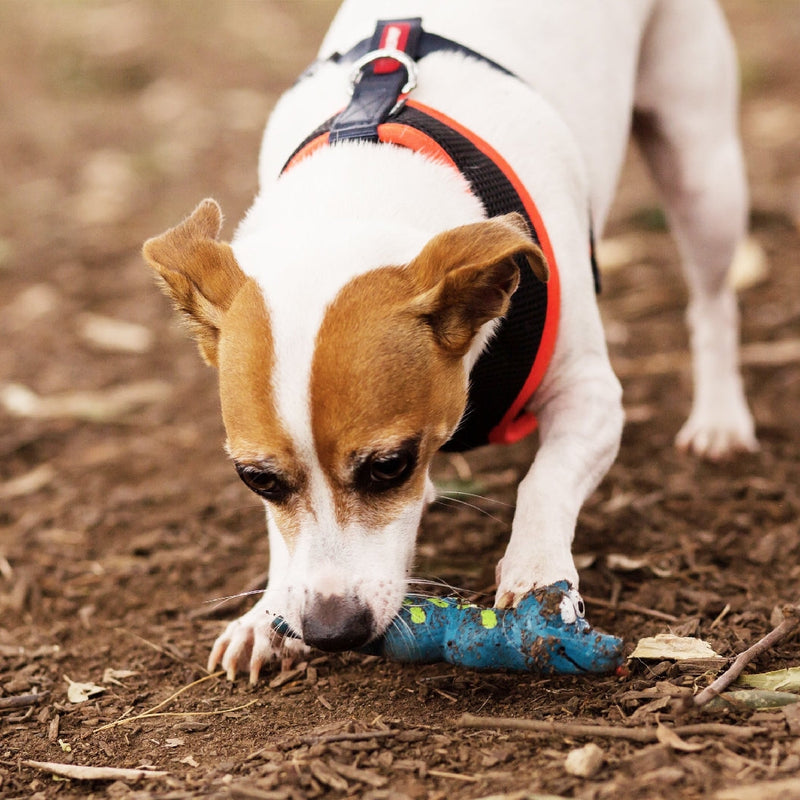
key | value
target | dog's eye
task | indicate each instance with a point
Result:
(383, 471)
(264, 483)
(389, 468)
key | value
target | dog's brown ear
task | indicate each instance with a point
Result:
(198, 272)
(467, 276)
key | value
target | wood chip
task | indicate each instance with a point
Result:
(326, 776)
(357, 774)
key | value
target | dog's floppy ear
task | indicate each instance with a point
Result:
(467, 276)
(198, 272)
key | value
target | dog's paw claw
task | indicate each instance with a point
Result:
(248, 644)
(716, 440)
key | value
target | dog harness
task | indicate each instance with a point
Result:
(513, 364)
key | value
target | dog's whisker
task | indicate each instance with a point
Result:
(233, 596)
(468, 505)
(455, 590)
(403, 630)
(449, 495)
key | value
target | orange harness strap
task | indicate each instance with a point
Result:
(412, 128)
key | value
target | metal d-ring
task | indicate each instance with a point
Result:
(402, 58)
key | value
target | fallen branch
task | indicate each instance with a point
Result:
(631, 607)
(22, 700)
(790, 623)
(80, 773)
(642, 735)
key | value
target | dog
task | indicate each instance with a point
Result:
(351, 312)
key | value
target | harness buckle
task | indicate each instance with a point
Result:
(405, 61)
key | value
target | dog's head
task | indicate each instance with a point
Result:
(335, 407)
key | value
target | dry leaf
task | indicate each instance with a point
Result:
(111, 675)
(780, 680)
(753, 698)
(668, 647)
(174, 742)
(81, 692)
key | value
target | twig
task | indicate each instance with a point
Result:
(791, 620)
(562, 728)
(359, 736)
(163, 650)
(81, 773)
(22, 700)
(632, 607)
(456, 776)
(150, 712)
(643, 735)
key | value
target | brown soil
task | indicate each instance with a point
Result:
(117, 530)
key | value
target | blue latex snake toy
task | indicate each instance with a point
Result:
(533, 637)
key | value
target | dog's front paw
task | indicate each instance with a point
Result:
(249, 643)
(718, 436)
(514, 582)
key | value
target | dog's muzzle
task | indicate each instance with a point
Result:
(336, 623)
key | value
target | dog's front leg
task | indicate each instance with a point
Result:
(580, 429)
(249, 642)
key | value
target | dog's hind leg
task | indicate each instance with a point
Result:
(686, 126)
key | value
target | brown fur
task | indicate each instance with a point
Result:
(388, 362)
(199, 273)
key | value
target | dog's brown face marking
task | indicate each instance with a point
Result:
(257, 441)
(382, 393)
(388, 384)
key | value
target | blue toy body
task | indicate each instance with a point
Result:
(530, 638)
(533, 637)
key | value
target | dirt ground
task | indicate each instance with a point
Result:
(121, 519)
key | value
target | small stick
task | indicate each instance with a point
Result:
(150, 712)
(81, 773)
(359, 736)
(562, 728)
(643, 735)
(632, 607)
(791, 619)
(22, 700)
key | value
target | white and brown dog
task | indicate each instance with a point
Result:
(366, 283)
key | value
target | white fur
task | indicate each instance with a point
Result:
(564, 130)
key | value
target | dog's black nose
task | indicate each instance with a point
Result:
(337, 623)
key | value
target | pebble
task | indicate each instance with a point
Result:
(585, 762)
